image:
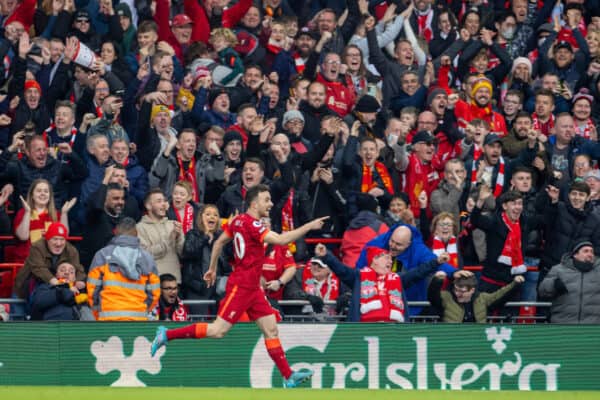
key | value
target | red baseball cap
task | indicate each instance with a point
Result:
(182, 19)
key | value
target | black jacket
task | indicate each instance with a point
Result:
(565, 227)
(496, 232)
(312, 120)
(195, 259)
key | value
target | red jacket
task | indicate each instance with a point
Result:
(419, 177)
(338, 96)
(361, 230)
(465, 113)
(231, 16)
(445, 151)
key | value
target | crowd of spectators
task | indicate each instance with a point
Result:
(434, 134)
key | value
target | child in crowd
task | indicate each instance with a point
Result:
(223, 40)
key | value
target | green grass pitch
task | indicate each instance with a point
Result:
(94, 393)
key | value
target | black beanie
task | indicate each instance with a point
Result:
(230, 136)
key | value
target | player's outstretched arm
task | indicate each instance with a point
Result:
(210, 276)
(291, 236)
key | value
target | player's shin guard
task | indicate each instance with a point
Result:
(194, 331)
(278, 356)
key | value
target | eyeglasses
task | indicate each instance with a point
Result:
(426, 122)
(169, 288)
(462, 289)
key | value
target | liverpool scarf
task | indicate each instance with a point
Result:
(188, 174)
(512, 253)
(369, 183)
(499, 178)
(439, 247)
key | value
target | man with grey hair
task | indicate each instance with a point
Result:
(97, 161)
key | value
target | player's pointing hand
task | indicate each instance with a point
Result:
(318, 223)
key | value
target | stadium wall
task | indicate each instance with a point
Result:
(378, 356)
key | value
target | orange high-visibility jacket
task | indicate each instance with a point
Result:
(123, 284)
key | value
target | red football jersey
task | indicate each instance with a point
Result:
(248, 235)
(273, 266)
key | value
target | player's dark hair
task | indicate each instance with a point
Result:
(253, 192)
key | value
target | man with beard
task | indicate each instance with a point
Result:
(314, 110)
(516, 141)
(253, 173)
(480, 107)
(491, 170)
(153, 138)
(136, 176)
(290, 63)
(367, 113)
(161, 237)
(188, 164)
(105, 210)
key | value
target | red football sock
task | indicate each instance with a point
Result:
(278, 356)
(197, 331)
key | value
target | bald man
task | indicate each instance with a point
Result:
(409, 252)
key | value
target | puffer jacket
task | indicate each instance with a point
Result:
(123, 283)
(581, 302)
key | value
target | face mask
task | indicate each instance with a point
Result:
(508, 33)
(541, 41)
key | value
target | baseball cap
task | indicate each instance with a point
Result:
(492, 138)
(423, 136)
(182, 19)
(318, 261)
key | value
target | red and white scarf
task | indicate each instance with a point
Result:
(287, 218)
(369, 183)
(499, 178)
(189, 175)
(299, 63)
(424, 23)
(187, 219)
(46, 135)
(512, 253)
(439, 247)
(586, 130)
(542, 127)
(380, 297)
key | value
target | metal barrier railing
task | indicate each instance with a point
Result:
(339, 317)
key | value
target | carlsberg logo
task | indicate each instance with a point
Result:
(412, 366)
